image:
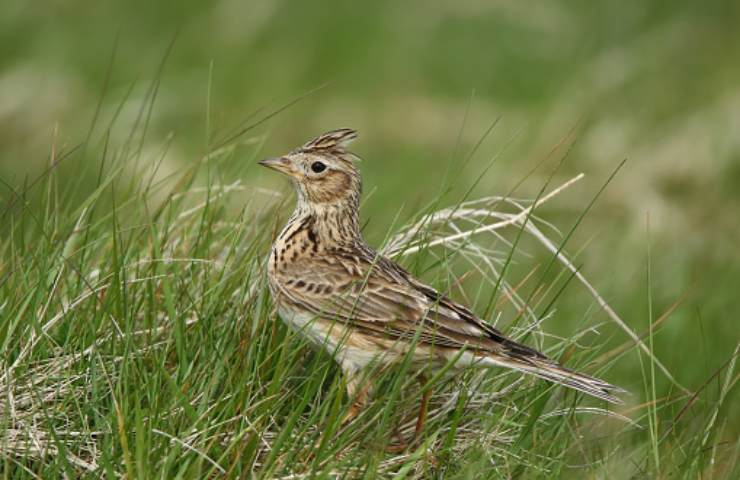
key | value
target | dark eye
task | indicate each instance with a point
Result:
(318, 167)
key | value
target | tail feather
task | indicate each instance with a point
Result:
(553, 372)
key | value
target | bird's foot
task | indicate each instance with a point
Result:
(399, 447)
(354, 410)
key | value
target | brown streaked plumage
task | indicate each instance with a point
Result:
(360, 306)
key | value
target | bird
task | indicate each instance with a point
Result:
(344, 296)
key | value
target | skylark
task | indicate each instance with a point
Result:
(345, 297)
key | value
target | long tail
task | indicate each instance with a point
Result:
(547, 369)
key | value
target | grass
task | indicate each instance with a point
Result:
(139, 339)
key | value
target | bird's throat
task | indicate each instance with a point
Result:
(329, 226)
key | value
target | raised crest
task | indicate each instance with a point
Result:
(335, 141)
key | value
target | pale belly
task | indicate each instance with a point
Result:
(352, 351)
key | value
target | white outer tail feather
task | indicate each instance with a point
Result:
(551, 371)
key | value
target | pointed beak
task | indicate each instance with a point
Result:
(281, 164)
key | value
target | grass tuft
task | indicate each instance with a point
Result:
(139, 339)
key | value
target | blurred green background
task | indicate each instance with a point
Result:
(655, 82)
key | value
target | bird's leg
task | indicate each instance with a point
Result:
(423, 408)
(357, 391)
(420, 419)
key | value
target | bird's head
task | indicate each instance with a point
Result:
(322, 171)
